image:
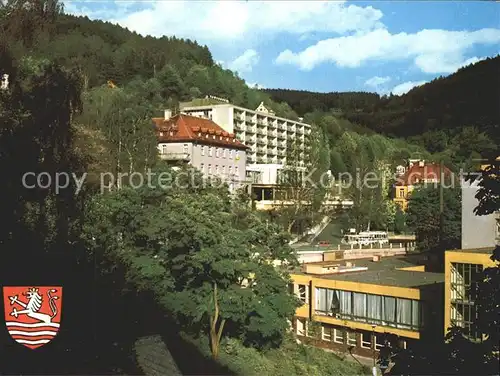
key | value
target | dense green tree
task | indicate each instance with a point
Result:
(423, 217)
(214, 273)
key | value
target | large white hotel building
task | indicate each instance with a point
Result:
(267, 135)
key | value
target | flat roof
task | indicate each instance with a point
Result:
(383, 272)
(485, 251)
(385, 263)
(397, 278)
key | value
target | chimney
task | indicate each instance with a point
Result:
(168, 114)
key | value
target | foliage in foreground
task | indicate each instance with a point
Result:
(289, 359)
(205, 257)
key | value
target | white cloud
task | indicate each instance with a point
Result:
(433, 51)
(237, 20)
(405, 87)
(377, 82)
(245, 62)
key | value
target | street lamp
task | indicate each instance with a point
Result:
(374, 344)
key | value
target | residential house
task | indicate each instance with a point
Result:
(418, 173)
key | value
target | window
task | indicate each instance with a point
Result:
(379, 342)
(224, 170)
(366, 340)
(338, 336)
(164, 149)
(236, 154)
(230, 170)
(209, 151)
(236, 170)
(203, 150)
(209, 169)
(216, 152)
(202, 168)
(302, 292)
(464, 281)
(369, 308)
(224, 153)
(401, 193)
(301, 327)
(230, 153)
(351, 338)
(186, 149)
(326, 333)
(216, 169)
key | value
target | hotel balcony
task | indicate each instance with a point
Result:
(282, 136)
(251, 129)
(261, 141)
(261, 131)
(261, 151)
(175, 157)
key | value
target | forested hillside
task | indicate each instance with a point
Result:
(104, 51)
(432, 114)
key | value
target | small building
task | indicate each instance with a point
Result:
(355, 305)
(418, 173)
(202, 144)
(463, 271)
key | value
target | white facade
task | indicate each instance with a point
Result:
(224, 163)
(268, 136)
(478, 231)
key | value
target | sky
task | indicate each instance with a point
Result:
(324, 46)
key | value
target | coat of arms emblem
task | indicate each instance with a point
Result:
(32, 314)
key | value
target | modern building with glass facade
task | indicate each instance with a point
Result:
(355, 305)
(463, 271)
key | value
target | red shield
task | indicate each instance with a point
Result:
(32, 313)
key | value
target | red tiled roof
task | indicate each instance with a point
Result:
(186, 128)
(417, 174)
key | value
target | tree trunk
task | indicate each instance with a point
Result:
(216, 334)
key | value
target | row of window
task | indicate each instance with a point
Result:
(464, 281)
(369, 308)
(340, 336)
(219, 152)
(219, 170)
